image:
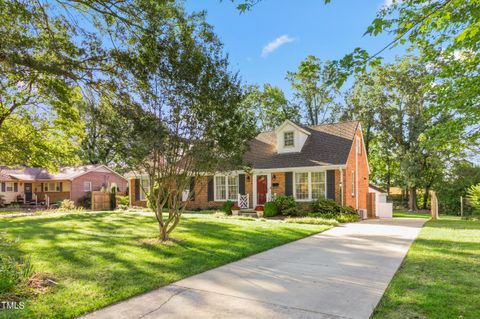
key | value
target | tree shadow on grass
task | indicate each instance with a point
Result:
(105, 251)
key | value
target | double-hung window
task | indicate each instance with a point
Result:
(318, 185)
(226, 187)
(301, 186)
(310, 186)
(87, 187)
(289, 139)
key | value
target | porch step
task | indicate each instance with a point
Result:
(248, 212)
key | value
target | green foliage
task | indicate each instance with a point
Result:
(473, 194)
(330, 209)
(314, 89)
(123, 200)
(14, 271)
(271, 107)
(286, 205)
(227, 207)
(329, 206)
(270, 209)
(86, 200)
(113, 198)
(312, 221)
(461, 176)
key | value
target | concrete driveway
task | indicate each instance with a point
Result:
(341, 273)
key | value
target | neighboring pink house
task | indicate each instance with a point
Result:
(31, 185)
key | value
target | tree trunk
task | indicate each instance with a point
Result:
(163, 233)
(425, 198)
(412, 202)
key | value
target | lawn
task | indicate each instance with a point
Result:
(403, 214)
(98, 259)
(440, 277)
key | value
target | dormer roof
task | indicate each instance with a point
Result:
(326, 145)
(296, 126)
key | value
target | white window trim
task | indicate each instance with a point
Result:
(143, 191)
(293, 138)
(309, 199)
(89, 187)
(215, 198)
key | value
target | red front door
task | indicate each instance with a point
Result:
(261, 189)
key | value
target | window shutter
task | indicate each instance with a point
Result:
(61, 186)
(3, 187)
(241, 184)
(15, 187)
(331, 184)
(192, 188)
(41, 187)
(210, 188)
(137, 189)
(289, 183)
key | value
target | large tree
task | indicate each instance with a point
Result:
(399, 105)
(270, 106)
(313, 89)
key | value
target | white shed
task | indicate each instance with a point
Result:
(383, 209)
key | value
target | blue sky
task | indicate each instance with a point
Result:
(294, 29)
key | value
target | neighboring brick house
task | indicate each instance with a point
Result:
(30, 185)
(306, 162)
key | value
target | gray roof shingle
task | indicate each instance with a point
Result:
(328, 144)
(35, 173)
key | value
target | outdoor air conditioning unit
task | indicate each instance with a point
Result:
(363, 213)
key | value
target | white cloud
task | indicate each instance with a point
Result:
(388, 3)
(275, 44)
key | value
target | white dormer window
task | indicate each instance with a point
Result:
(288, 139)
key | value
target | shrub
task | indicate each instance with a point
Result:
(326, 206)
(2, 201)
(312, 221)
(86, 201)
(123, 200)
(67, 204)
(348, 218)
(341, 218)
(473, 195)
(270, 209)
(113, 198)
(227, 207)
(286, 205)
(331, 208)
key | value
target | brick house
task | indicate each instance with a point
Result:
(306, 162)
(33, 185)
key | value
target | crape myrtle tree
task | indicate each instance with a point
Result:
(185, 118)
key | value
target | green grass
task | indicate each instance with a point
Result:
(411, 215)
(98, 259)
(440, 277)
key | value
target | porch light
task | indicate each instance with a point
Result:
(248, 178)
(274, 177)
